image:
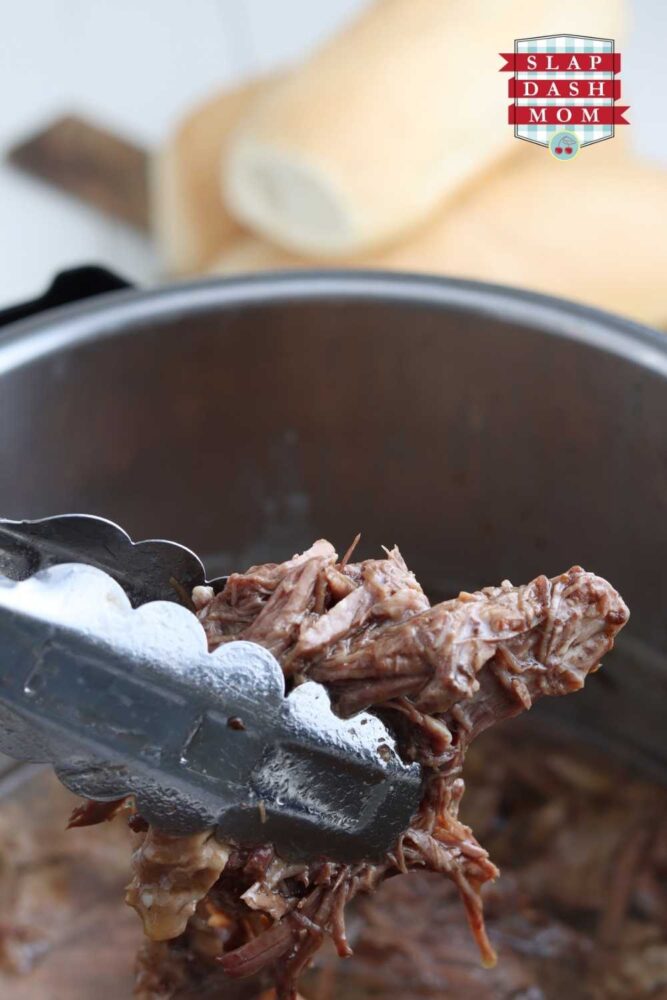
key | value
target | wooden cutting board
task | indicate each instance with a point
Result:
(96, 166)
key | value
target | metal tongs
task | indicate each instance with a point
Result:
(106, 675)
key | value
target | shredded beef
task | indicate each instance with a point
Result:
(579, 913)
(440, 675)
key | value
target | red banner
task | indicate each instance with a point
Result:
(566, 116)
(589, 89)
(561, 62)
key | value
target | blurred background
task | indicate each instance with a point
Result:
(137, 70)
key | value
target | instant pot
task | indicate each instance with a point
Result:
(491, 433)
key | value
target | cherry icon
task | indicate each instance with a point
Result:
(568, 150)
(559, 150)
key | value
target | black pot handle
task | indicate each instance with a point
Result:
(69, 286)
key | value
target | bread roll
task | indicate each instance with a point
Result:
(387, 120)
(188, 214)
(593, 230)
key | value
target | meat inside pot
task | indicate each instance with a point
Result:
(579, 912)
(216, 913)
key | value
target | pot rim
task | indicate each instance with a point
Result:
(122, 311)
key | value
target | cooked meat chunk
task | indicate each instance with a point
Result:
(440, 674)
(247, 595)
(171, 875)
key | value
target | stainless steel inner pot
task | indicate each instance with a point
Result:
(489, 432)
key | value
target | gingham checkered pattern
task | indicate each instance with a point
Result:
(564, 43)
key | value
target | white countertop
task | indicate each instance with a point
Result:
(136, 65)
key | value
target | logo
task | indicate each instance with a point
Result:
(564, 90)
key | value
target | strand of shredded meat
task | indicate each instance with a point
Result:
(440, 675)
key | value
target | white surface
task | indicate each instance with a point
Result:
(136, 65)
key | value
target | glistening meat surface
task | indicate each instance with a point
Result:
(440, 674)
